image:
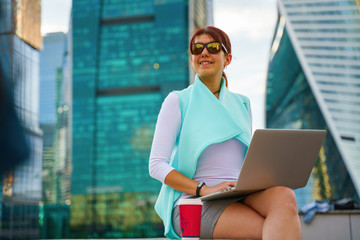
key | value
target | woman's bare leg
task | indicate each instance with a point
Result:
(238, 221)
(278, 206)
(269, 214)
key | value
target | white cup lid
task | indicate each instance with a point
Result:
(190, 201)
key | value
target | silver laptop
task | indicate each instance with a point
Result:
(276, 157)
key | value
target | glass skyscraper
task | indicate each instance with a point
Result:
(313, 82)
(20, 41)
(54, 113)
(51, 58)
(63, 120)
(127, 56)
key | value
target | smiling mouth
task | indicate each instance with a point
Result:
(205, 63)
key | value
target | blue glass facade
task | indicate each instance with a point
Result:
(51, 59)
(19, 58)
(127, 56)
(54, 209)
(290, 104)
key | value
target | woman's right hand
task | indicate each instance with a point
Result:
(206, 190)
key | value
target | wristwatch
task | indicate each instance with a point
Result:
(201, 184)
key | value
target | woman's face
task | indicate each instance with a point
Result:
(209, 65)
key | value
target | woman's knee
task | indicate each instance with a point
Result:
(283, 197)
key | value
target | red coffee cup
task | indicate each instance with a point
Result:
(190, 218)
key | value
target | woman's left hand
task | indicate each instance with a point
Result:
(206, 190)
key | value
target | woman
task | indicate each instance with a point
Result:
(201, 137)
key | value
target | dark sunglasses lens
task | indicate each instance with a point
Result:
(213, 47)
(197, 48)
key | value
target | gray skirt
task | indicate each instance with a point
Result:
(211, 211)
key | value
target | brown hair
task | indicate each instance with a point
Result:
(218, 35)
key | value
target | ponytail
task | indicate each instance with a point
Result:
(226, 81)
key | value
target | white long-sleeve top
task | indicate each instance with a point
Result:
(217, 163)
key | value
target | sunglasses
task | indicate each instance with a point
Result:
(212, 47)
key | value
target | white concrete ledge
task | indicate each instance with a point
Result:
(333, 225)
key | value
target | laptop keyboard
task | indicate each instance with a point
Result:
(228, 189)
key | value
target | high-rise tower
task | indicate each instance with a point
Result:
(127, 56)
(20, 42)
(314, 82)
(51, 59)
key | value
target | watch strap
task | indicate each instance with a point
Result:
(199, 186)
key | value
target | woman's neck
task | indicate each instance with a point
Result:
(213, 84)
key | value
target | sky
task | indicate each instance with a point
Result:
(250, 26)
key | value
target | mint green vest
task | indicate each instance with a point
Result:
(205, 120)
